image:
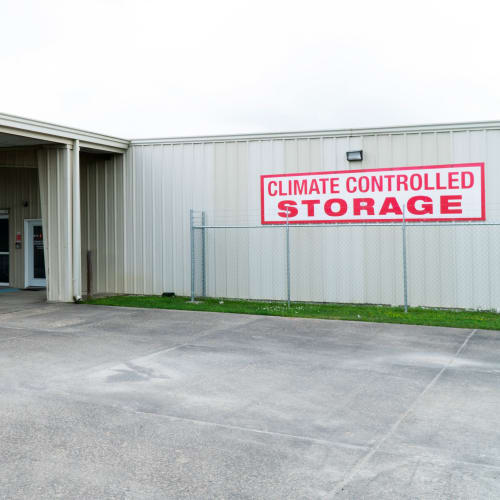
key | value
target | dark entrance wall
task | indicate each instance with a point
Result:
(18, 186)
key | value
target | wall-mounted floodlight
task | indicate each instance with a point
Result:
(354, 155)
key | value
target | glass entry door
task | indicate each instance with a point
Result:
(35, 260)
(4, 249)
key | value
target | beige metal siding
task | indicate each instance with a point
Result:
(162, 183)
(54, 167)
(447, 266)
(101, 180)
(11, 157)
(18, 184)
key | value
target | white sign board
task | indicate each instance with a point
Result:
(427, 193)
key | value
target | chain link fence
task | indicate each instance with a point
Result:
(447, 265)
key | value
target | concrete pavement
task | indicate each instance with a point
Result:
(100, 402)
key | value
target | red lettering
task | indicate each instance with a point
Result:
(282, 193)
(426, 183)
(363, 184)
(451, 204)
(402, 180)
(453, 178)
(287, 206)
(413, 185)
(310, 206)
(425, 207)
(363, 204)
(273, 193)
(334, 185)
(471, 180)
(390, 206)
(438, 181)
(389, 181)
(348, 184)
(342, 207)
(377, 183)
(299, 187)
(323, 184)
(314, 187)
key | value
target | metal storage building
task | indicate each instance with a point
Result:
(128, 201)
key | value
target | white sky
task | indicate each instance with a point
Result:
(159, 68)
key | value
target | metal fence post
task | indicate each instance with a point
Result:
(203, 256)
(191, 225)
(405, 271)
(287, 260)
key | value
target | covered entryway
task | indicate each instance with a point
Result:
(19, 202)
(40, 204)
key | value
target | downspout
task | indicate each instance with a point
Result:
(77, 257)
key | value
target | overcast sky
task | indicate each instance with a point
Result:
(158, 68)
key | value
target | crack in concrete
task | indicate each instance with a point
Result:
(359, 465)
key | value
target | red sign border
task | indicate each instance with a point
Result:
(391, 169)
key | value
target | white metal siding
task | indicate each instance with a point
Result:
(162, 181)
(54, 170)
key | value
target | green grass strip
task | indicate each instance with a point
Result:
(487, 320)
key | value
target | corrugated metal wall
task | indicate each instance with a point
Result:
(448, 266)
(135, 221)
(18, 184)
(101, 178)
(102, 212)
(54, 168)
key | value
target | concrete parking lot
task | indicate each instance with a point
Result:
(100, 402)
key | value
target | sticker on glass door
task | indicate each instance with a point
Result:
(4, 250)
(34, 255)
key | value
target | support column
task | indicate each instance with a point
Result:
(77, 226)
(56, 182)
(67, 234)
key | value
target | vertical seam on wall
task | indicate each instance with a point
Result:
(421, 142)
(69, 218)
(134, 216)
(184, 233)
(408, 234)
(436, 149)
(115, 224)
(49, 226)
(125, 157)
(58, 182)
(143, 203)
(224, 213)
(323, 235)
(153, 219)
(237, 235)
(395, 279)
(88, 216)
(97, 242)
(490, 275)
(173, 237)
(106, 227)
(473, 240)
(163, 218)
(455, 277)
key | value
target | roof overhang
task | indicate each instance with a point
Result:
(32, 132)
(352, 132)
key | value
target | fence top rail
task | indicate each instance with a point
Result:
(353, 224)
